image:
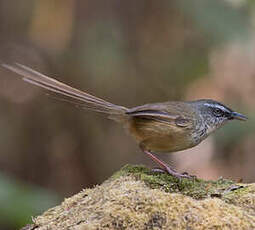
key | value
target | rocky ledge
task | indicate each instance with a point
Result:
(136, 198)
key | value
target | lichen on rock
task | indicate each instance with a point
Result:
(136, 198)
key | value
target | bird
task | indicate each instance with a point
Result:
(157, 127)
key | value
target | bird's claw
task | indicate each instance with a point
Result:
(174, 173)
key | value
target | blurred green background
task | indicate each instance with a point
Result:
(130, 53)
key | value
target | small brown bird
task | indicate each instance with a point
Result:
(158, 127)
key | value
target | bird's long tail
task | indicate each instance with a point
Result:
(78, 97)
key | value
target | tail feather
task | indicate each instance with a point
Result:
(81, 98)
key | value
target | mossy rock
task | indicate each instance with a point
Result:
(136, 198)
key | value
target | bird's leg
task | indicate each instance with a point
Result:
(163, 166)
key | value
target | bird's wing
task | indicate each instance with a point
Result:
(159, 115)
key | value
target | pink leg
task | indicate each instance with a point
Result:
(164, 166)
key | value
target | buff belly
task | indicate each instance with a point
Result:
(160, 137)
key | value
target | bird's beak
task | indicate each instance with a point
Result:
(238, 116)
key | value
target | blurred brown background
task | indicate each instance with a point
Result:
(130, 53)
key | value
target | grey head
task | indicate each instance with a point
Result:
(213, 115)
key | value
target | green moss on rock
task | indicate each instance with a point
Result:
(195, 188)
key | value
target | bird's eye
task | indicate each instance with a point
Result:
(217, 112)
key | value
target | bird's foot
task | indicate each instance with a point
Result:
(173, 173)
(164, 167)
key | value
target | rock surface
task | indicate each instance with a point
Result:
(136, 198)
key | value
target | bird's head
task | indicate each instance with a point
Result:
(214, 114)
